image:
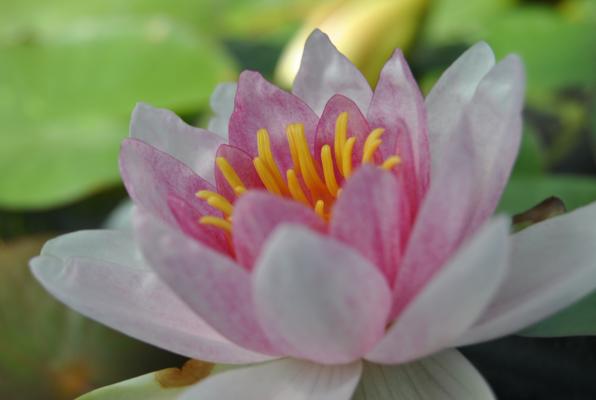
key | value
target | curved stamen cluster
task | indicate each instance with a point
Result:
(304, 182)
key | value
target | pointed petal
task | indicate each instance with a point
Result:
(317, 299)
(446, 375)
(324, 72)
(242, 164)
(257, 214)
(371, 216)
(450, 96)
(553, 266)
(165, 131)
(222, 104)
(260, 104)
(451, 301)
(212, 284)
(357, 127)
(286, 379)
(396, 103)
(151, 176)
(101, 274)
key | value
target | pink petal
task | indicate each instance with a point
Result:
(317, 299)
(151, 176)
(188, 220)
(552, 266)
(222, 104)
(397, 105)
(212, 285)
(451, 302)
(257, 214)
(447, 101)
(286, 379)
(165, 131)
(243, 165)
(324, 72)
(357, 127)
(100, 274)
(260, 104)
(371, 216)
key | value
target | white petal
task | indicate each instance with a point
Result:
(222, 104)
(447, 100)
(99, 274)
(446, 375)
(553, 264)
(286, 379)
(452, 301)
(324, 72)
(167, 132)
(318, 299)
(120, 218)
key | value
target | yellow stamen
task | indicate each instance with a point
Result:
(307, 165)
(217, 201)
(265, 154)
(391, 162)
(347, 156)
(266, 176)
(293, 147)
(217, 222)
(328, 171)
(295, 189)
(229, 174)
(371, 144)
(239, 190)
(320, 208)
(341, 132)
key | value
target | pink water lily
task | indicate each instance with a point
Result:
(337, 239)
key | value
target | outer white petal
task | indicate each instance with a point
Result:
(287, 379)
(324, 71)
(553, 265)
(442, 376)
(447, 100)
(100, 274)
(222, 104)
(452, 301)
(164, 130)
(318, 299)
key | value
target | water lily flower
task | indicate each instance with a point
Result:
(337, 240)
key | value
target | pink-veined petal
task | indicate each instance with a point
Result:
(317, 299)
(165, 131)
(552, 266)
(102, 275)
(287, 379)
(212, 284)
(371, 216)
(324, 72)
(257, 214)
(260, 104)
(452, 300)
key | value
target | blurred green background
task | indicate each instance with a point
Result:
(71, 72)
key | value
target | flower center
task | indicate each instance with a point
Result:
(312, 183)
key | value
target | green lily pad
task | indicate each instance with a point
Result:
(61, 351)
(66, 94)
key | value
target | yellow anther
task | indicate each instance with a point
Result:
(391, 162)
(229, 174)
(217, 222)
(216, 200)
(266, 176)
(341, 133)
(328, 170)
(347, 156)
(371, 144)
(320, 208)
(265, 154)
(238, 190)
(293, 147)
(307, 165)
(295, 189)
